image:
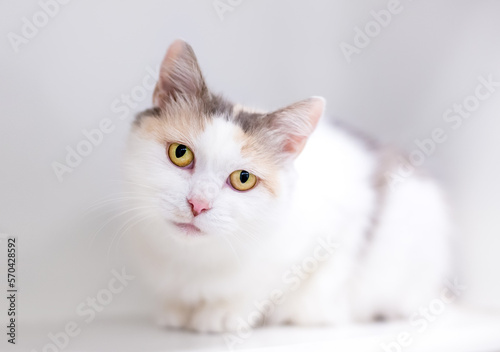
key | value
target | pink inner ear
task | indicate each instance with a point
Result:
(295, 144)
(314, 110)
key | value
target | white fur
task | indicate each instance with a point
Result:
(252, 240)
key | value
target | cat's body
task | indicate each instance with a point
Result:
(320, 238)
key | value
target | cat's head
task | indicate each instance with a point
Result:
(208, 168)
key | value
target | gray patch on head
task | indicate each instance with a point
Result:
(211, 105)
(216, 105)
(248, 121)
(152, 112)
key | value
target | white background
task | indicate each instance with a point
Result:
(264, 53)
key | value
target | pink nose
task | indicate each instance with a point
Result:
(198, 205)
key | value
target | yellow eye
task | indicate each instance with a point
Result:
(180, 155)
(242, 180)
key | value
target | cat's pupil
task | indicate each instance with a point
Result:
(244, 176)
(180, 151)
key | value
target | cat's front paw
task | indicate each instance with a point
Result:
(174, 316)
(216, 317)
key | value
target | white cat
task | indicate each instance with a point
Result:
(248, 224)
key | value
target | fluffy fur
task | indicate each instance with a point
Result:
(321, 239)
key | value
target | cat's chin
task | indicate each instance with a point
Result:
(188, 228)
(186, 232)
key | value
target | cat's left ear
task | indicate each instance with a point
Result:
(180, 75)
(292, 125)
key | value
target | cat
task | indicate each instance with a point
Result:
(249, 224)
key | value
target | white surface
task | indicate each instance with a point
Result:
(457, 331)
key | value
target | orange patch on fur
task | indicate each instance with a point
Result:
(252, 149)
(181, 124)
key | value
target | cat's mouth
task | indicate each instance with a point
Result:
(188, 228)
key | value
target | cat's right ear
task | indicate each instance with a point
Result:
(180, 75)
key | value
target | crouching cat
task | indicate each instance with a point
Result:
(274, 217)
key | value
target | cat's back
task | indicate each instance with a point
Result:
(336, 166)
(334, 186)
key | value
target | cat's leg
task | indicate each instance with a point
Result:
(322, 298)
(313, 305)
(220, 316)
(173, 314)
